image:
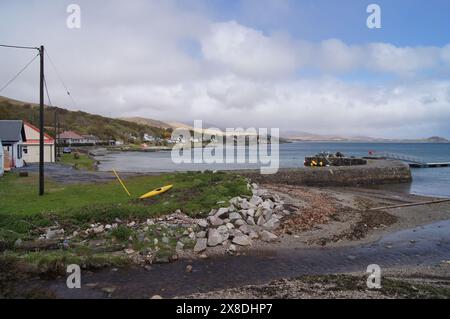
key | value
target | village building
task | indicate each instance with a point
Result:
(149, 138)
(70, 137)
(90, 139)
(12, 135)
(31, 146)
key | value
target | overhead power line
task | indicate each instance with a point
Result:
(46, 91)
(60, 78)
(17, 47)
(18, 74)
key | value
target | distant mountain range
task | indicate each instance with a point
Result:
(126, 128)
(309, 137)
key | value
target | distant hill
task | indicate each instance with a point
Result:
(437, 139)
(148, 122)
(81, 122)
(308, 137)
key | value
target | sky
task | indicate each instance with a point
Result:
(298, 65)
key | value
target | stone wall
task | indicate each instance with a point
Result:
(376, 172)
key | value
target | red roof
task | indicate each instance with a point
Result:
(70, 135)
(47, 138)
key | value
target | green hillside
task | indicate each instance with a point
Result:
(81, 122)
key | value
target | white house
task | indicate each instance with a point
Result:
(31, 146)
(70, 137)
(12, 134)
(149, 138)
(1, 158)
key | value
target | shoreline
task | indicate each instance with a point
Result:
(333, 235)
(323, 221)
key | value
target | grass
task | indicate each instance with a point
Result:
(22, 211)
(78, 161)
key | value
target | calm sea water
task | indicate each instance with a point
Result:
(430, 181)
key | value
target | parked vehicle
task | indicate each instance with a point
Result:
(67, 150)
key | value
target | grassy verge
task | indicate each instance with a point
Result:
(74, 206)
(78, 161)
(24, 216)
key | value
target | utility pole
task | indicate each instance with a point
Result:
(55, 127)
(59, 132)
(41, 123)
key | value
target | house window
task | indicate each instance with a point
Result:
(19, 151)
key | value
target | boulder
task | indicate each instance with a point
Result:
(268, 236)
(242, 240)
(251, 221)
(240, 222)
(201, 234)
(245, 204)
(215, 221)
(230, 226)
(202, 223)
(251, 212)
(273, 223)
(232, 248)
(268, 204)
(235, 216)
(224, 232)
(267, 213)
(256, 200)
(222, 212)
(261, 221)
(212, 212)
(51, 234)
(245, 229)
(200, 245)
(214, 237)
(235, 233)
(235, 201)
(253, 235)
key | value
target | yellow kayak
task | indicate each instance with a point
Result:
(156, 192)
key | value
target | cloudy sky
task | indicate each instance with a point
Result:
(306, 65)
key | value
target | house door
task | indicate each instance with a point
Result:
(7, 161)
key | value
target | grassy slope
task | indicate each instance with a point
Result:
(21, 210)
(82, 162)
(81, 122)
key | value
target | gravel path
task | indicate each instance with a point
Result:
(65, 174)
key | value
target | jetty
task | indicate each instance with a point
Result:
(412, 161)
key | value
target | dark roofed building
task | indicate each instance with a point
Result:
(12, 135)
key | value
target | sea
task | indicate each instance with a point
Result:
(426, 181)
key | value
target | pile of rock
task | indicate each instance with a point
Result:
(242, 222)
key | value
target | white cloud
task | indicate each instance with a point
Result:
(248, 52)
(158, 61)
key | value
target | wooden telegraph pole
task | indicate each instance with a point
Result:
(41, 123)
